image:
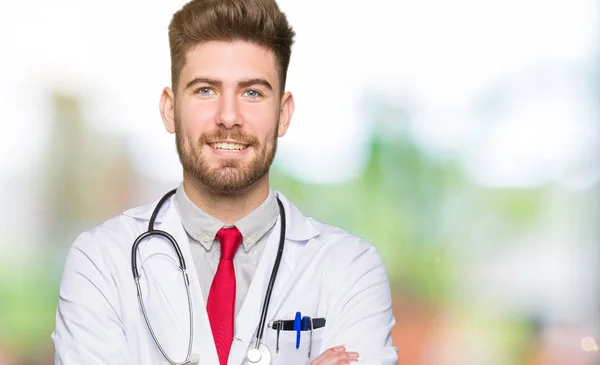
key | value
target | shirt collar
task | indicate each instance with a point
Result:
(299, 227)
(203, 227)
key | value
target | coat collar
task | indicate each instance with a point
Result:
(298, 227)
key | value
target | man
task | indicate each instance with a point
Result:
(227, 107)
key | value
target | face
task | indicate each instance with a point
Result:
(227, 114)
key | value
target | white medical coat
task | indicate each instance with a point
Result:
(324, 272)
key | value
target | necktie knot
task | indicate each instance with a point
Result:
(230, 239)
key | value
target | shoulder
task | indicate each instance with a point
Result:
(352, 266)
(343, 245)
(114, 237)
(350, 262)
(329, 242)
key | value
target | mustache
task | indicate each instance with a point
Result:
(222, 134)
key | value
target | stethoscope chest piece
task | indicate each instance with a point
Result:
(258, 356)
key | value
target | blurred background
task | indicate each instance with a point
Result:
(462, 138)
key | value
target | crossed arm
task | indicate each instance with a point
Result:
(360, 317)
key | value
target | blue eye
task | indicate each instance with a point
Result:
(204, 91)
(252, 94)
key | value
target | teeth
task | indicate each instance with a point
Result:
(228, 146)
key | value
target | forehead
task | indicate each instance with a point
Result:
(229, 62)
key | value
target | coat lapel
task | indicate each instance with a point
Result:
(298, 231)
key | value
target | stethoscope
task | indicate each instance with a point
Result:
(258, 353)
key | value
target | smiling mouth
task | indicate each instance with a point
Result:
(228, 146)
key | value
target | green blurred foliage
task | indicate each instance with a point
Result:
(395, 204)
(28, 300)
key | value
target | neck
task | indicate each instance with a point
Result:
(227, 207)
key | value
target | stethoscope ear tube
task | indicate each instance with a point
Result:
(152, 232)
(149, 234)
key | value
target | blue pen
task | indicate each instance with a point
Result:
(298, 328)
(305, 323)
(307, 326)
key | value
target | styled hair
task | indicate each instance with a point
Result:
(255, 21)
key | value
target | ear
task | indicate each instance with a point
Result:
(167, 109)
(285, 113)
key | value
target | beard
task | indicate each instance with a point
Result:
(229, 175)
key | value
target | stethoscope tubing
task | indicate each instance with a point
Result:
(152, 232)
(265, 309)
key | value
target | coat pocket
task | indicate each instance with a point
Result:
(308, 349)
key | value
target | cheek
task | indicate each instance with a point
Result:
(259, 120)
(196, 118)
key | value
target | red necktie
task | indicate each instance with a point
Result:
(221, 298)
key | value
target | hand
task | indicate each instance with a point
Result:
(335, 356)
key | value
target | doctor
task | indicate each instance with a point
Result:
(262, 282)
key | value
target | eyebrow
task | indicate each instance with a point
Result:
(203, 80)
(241, 84)
(257, 81)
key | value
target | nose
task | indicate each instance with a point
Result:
(228, 115)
